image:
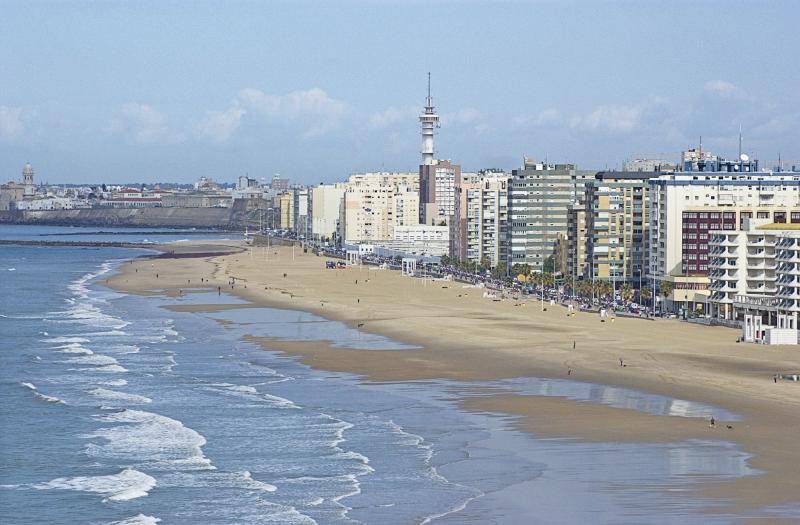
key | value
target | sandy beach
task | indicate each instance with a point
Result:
(464, 336)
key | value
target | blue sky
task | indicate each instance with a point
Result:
(156, 91)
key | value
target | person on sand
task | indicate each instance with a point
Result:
(573, 345)
(569, 372)
(713, 422)
(620, 362)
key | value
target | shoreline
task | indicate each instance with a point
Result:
(738, 380)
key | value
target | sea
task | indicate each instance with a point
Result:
(118, 411)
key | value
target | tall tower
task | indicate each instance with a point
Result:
(27, 180)
(429, 120)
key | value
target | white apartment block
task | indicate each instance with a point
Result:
(386, 178)
(674, 195)
(369, 213)
(486, 228)
(755, 278)
(325, 204)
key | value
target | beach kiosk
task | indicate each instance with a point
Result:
(409, 266)
(353, 257)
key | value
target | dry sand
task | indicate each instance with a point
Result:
(464, 336)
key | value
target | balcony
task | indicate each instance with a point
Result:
(722, 286)
(756, 242)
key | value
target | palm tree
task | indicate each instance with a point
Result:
(626, 291)
(645, 294)
(666, 288)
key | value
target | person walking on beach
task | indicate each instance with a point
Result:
(620, 362)
(713, 422)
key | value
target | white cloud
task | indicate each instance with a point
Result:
(313, 109)
(391, 116)
(610, 118)
(722, 88)
(219, 126)
(11, 125)
(142, 124)
(463, 116)
(547, 117)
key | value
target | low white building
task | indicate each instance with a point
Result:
(420, 239)
(50, 203)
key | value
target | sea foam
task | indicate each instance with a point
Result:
(127, 484)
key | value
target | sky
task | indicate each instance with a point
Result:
(171, 91)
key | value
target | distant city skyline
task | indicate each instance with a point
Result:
(122, 92)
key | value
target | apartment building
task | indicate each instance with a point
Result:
(324, 207)
(686, 208)
(408, 179)
(486, 224)
(370, 212)
(437, 191)
(754, 278)
(577, 261)
(539, 195)
(617, 219)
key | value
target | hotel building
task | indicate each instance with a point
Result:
(686, 208)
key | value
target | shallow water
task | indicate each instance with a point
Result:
(123, 412)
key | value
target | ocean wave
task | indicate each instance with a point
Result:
(72, 348)
(67, 339)
(115, 382)
(125, 349)
(216, 479)
(39, 395)
(114, 395)
(148, 437)
(93, 359)
(250, 393)
(139, 519)
(110, 369)
(126, 485)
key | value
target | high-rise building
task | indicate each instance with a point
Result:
(324, 207)
(483, 223)
(437, 191)
(409, 179)
(539, 195)
(370, 212)
(286, 205)
(300, 222)
(618, 221)
(577, 240)
(687, 208)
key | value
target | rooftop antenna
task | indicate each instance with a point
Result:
(740, 140)
(429, 85)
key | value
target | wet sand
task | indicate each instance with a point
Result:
(463, 336)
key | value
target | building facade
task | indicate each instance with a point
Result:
(618, 221)
(370, 212)
(324, 206)
(538, 199)
(437, 191)
(687, 208)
